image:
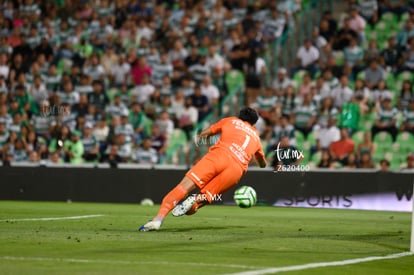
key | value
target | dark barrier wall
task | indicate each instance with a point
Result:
(132, 185)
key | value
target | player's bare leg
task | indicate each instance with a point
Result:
(168, 203)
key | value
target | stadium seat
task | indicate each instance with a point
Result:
(340, 59)
(300, 138)
(357, 137)
(389, 19)
(404, 17)
(366, 122)
(405, 141)
(405, 75)
(395, 164)
(361, 75)
(368, 32)
(396, 147)
(383, 29)
(298, 76)
(398, 86)
(311, 138)
(382, 152)
(383, 137)
(316, 158)
(390, 81)
(148, 126)
(394, 159)
(306, 149)
(369, 35)
(383, 140)
(177, 139)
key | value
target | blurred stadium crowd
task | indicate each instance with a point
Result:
(112, 81)
(348, 101)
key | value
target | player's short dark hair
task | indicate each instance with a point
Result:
(249, 114)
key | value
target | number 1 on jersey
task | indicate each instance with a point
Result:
(246, 142)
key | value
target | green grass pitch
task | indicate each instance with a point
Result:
(217, 240)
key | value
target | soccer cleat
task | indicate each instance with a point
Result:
(192, 210)
(184, 207)
(153, 225)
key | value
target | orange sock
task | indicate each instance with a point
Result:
(170, 200)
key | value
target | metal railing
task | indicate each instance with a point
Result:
(305, 21)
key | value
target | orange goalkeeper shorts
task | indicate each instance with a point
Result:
(215, 173)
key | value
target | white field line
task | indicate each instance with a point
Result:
(53, 218)
(88, 261)
(274, 270)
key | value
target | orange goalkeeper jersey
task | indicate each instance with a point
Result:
(239, 139)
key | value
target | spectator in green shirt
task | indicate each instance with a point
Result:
(138, 119)
(74, 148)
(25, 100)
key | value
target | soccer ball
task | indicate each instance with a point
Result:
(245, 196)
(147, 202)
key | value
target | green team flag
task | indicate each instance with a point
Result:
(349, 117)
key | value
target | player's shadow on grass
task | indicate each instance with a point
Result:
(200, 228)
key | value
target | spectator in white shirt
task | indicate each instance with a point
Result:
(327, 135)
(101, 131)
(166, 124)
(281, 82)
(210, 91)
(120, 71)
(307, 58)
(142, 93)
(214, 59)
(187, 117)
(4, 67)
(322, 87)
(177, 54)
(342, 93)
(109, 59)
(318, 40)
(177, 101)
(145, 154)
(93, 69)
(38, 90)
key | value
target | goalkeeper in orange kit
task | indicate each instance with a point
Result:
(219, 170)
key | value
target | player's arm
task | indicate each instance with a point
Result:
(262, 162)
(213, 129)
(260, 158)
(206, 133)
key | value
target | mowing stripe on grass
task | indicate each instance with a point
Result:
(97, 261)
(322, 264)
(53, 219)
